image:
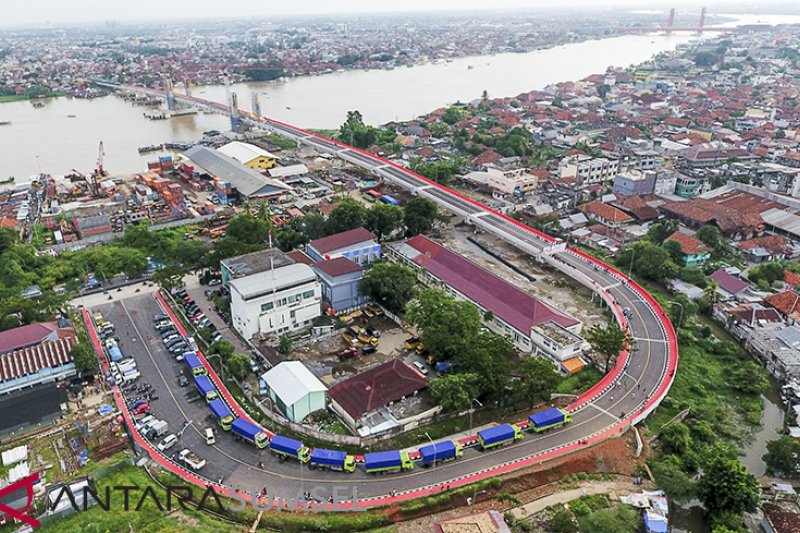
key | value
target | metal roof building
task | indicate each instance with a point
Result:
(295, 391)
(248, 182)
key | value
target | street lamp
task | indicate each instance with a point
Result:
(221, 366)
(633, 255)
(434, 449)
(680, 316)
(471, 410)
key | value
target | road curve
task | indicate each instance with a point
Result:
(636, 385)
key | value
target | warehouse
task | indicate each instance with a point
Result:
(235, 179)
(294, 390)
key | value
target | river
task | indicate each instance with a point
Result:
(65, 133)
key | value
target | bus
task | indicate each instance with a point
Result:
(371, 195)
(389, 200)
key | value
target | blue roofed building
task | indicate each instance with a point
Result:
(339, 279)
(358, 245)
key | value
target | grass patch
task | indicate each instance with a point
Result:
(580, 382)
(281, 142)
(12, 98)
(442, 498)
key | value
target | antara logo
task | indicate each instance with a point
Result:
(10, 496)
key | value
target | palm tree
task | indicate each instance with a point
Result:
(710, 293)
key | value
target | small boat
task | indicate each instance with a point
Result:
(71, 116)
(5, 122)
(151, 148)
(289, 108)
(470, 67)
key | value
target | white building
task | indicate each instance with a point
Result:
(588, 169)
(275, 301)
(294, 390)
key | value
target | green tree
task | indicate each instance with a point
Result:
(420, 215)
(453, 114)
(623, 519)
(390, 284)
(705, 59)
(169, 277)
(454, 392)
(675, 438)
(84, 356)
(671, 478)
(131, 261)
(286, 345)
(384, 219)
(349, 214)
(539, 379)
(562, 521)
(659, 231)
(674, 250)
(727, 486)
(608, 342)
(248, 229)
(489, 355)
(783, 457)
(238, 365)
(447, 325)
(710, 236)
(222, 347)
(693, 275)
(747, 377)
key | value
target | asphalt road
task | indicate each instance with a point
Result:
(235, 461)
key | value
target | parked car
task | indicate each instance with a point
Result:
(171, 338)
(216, 337)
(412, 343)
(373, 331)
(203, 323)
(421, 367)
(182, 381)
(254, 366)
(168, 442)
(141, 409)
(369, 349)
(214, 282)
(160, 316)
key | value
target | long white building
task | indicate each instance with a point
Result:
(275, 301)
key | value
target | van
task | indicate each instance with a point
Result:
(421, 367)
(210, 436)
(144, 424)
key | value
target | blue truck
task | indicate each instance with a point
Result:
(498, 436)
(446, 450)
(194, 364)
(389, 461)
(548, 419)
(207, 389)
(222, 413)
(250, 432)
(286, 448)
(114, 352)
(331, 460)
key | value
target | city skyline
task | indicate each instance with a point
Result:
(52, 12)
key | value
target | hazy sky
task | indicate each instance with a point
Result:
(68, 11)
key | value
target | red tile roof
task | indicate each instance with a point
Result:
(689, 245)
(30, 360)
(791, 278)
(505, 300)
(787, 302)
(782, 520)
(337, 267)
(377, 387)
(24, 336)
(606, 213)
(298, 256)
(774, 244)
(341, 240)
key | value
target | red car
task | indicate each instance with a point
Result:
(142, 409)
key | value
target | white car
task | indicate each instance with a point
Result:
(422, 368)
(168, 442)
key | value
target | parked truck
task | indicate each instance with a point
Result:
(207, 389)
(222, 413)
(192, 460)
(548, 419)
(114, 353)
(194, 364)
(157, 429)
(250, 432)
(439, 452)
(331, 460)
(498, 436)
(386, 462)
(286, 448)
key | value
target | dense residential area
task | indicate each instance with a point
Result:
(275, 307)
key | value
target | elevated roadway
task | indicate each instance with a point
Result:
(635, 386)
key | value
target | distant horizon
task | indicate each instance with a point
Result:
(96, 13)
